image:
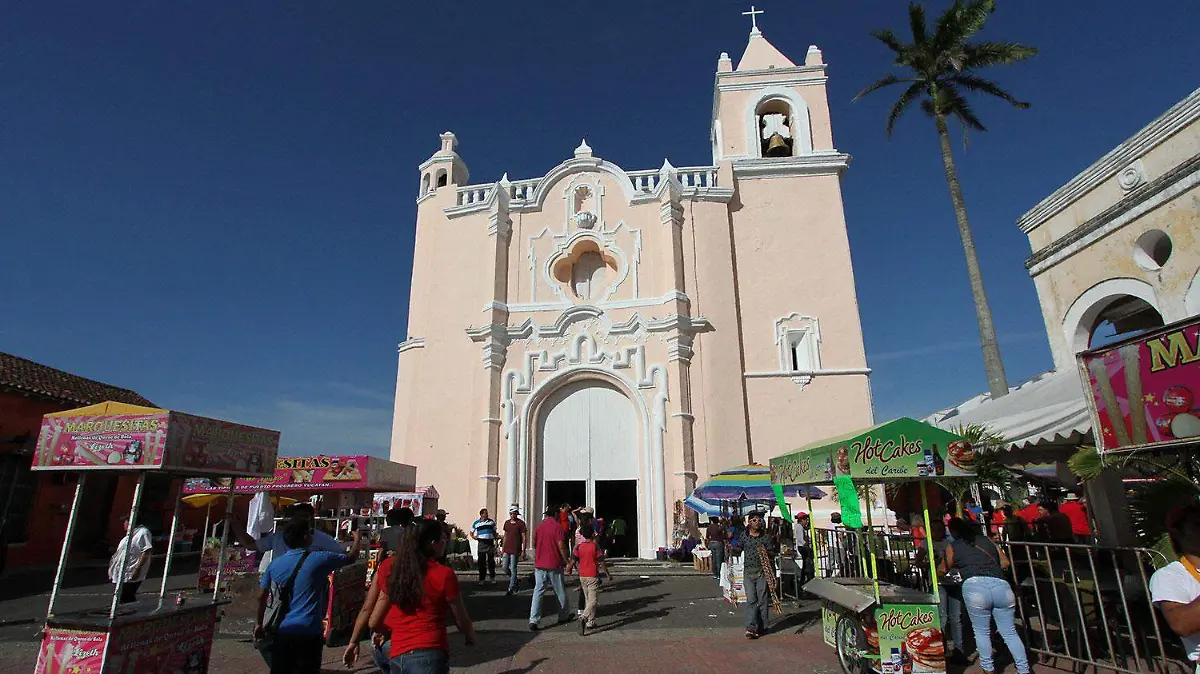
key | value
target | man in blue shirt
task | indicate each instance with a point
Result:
(483, 530)
(298, 645)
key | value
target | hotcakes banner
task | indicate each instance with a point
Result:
(910, 638)
(903, 449)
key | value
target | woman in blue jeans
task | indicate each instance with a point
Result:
(415, 599)
(985, 592)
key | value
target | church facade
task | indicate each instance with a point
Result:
(612, 337)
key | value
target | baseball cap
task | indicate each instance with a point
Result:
(514, 508)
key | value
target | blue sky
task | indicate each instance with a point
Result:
(211, 202)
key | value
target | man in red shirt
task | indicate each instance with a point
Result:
(1032, 512)
(549, 559)
(1076, 511)
(516, 539)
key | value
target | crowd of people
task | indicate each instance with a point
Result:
(414, 592)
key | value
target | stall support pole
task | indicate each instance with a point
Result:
(134, 509)
(224, 538)
(204, 531)
(871, 545)
(162, 590)
(812, 534)
(66, 546)
(937, 597)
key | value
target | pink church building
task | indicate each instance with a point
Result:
(612, 337)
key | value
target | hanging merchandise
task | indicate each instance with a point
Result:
(784, 511)
(848, 500)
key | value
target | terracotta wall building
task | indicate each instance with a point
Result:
(35, 506)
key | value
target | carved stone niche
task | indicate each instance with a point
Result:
(586, 272)
(583, 207)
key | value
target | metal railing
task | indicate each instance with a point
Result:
(1090, 606)
(1078, 606)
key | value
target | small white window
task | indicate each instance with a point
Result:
(800, 352)
(799, 340)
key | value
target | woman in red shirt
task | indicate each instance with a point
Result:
(413, 606)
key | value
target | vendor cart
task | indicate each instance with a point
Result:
(342, 489)
(876, 625)
(152, 635)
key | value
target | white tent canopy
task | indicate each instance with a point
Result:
(1046, 410)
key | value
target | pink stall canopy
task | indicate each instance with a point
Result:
(122, 437)
(357, 472)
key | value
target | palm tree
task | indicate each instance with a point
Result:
(943, 65)
(1173, 484)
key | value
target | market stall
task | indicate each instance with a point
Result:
(152, 635)
(343, 490)
(874, 624)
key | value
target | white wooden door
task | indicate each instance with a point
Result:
(589, 432)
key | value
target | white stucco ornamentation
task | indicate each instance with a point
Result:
(1132, 176)
(584, 219)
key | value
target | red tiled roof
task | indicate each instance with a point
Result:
(30, 377)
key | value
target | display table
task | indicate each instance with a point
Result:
(141, 639)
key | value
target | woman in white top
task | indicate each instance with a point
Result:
(1175, 588)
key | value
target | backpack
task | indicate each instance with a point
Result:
(279, 599)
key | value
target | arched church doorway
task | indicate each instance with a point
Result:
(587, 437)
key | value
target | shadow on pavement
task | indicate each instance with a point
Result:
(492, 645)
(532, 666)
(800, 621)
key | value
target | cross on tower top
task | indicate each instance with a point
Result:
(753, 14)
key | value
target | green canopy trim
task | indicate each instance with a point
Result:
(903, 449)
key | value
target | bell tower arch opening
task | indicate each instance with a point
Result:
(774, 117)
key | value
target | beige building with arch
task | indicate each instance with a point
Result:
(611, 337)
(1115, 249)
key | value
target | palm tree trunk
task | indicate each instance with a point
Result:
(997, 382)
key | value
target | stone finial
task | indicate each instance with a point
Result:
(813, 57)
(724, 63)
(449, 143)
(584, 150)
(666, 169)
(504, 179)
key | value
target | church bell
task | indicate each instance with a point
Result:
(777, 147)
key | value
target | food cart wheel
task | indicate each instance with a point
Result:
(852, 645)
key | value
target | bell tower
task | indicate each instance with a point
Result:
(769, 107)
(802, 343)
(444, 168)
